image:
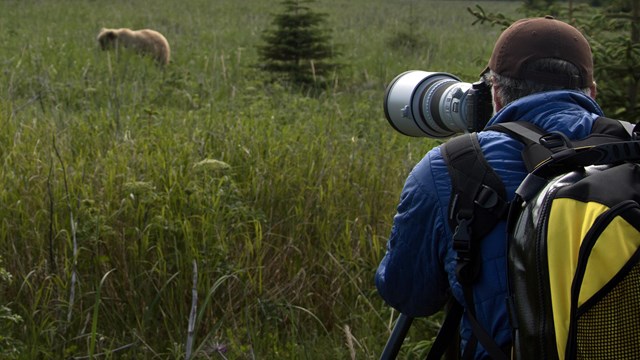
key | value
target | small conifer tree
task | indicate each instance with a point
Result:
(298, 48)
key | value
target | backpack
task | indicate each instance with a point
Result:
(573, 235)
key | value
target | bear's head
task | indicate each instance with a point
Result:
(107, 38)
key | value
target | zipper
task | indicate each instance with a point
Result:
(542, 271)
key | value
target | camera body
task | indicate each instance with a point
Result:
(436, 104)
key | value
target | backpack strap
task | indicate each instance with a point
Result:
(476, 205)
(612, 127)
(546, 152)
(603, 130)
(535, 152)
(477, 201)
(447, 332)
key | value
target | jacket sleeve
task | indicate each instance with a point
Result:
(411, 276)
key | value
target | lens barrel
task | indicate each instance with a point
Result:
(427, 104)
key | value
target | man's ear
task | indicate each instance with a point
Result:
(497, 101)
(594, 90)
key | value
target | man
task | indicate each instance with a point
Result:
(541, 71)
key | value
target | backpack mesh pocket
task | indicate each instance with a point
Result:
(609, 328)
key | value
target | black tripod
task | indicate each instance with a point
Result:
(396, 338)
(446, 342)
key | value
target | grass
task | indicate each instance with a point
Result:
(126, 191)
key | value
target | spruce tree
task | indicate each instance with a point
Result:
(298, 47)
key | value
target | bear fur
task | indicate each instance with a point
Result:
(145, 41)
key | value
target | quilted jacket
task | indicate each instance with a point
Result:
(418, 269)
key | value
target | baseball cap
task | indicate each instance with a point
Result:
(531, 39)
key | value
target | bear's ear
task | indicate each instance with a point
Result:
(107, 34)
(107, 38)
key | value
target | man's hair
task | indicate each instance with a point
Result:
(509, 89)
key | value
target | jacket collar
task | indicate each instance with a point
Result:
(570, 112)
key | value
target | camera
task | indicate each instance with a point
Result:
(436, 104)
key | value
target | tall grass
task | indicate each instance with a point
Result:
(149, 213)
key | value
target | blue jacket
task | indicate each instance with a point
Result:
(418, 269)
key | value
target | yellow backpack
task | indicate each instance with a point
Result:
(573, 253)
(573, 258)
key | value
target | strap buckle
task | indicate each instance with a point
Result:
(559, 145)
(555, 141)
(462, 238)
(486, 197)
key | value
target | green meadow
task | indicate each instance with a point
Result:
(200, 211)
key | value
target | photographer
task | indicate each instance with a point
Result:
(540, 71)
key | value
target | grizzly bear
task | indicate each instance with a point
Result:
(145, 41)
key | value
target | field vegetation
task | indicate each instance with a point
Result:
(199, 211)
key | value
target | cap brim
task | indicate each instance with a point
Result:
(485, 71)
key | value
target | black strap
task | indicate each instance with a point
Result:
(477, 201)
(487, 342)
(534, 152)
(612, 127)
(447, 332)
(550, 153)
(476, 205)
(470, 350)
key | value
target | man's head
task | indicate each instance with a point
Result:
(540, 54)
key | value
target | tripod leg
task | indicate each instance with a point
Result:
(398, 334)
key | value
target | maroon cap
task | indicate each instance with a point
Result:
(537, 38)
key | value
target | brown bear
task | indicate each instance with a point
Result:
(145, 41)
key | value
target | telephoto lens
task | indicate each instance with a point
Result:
(435, 104)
